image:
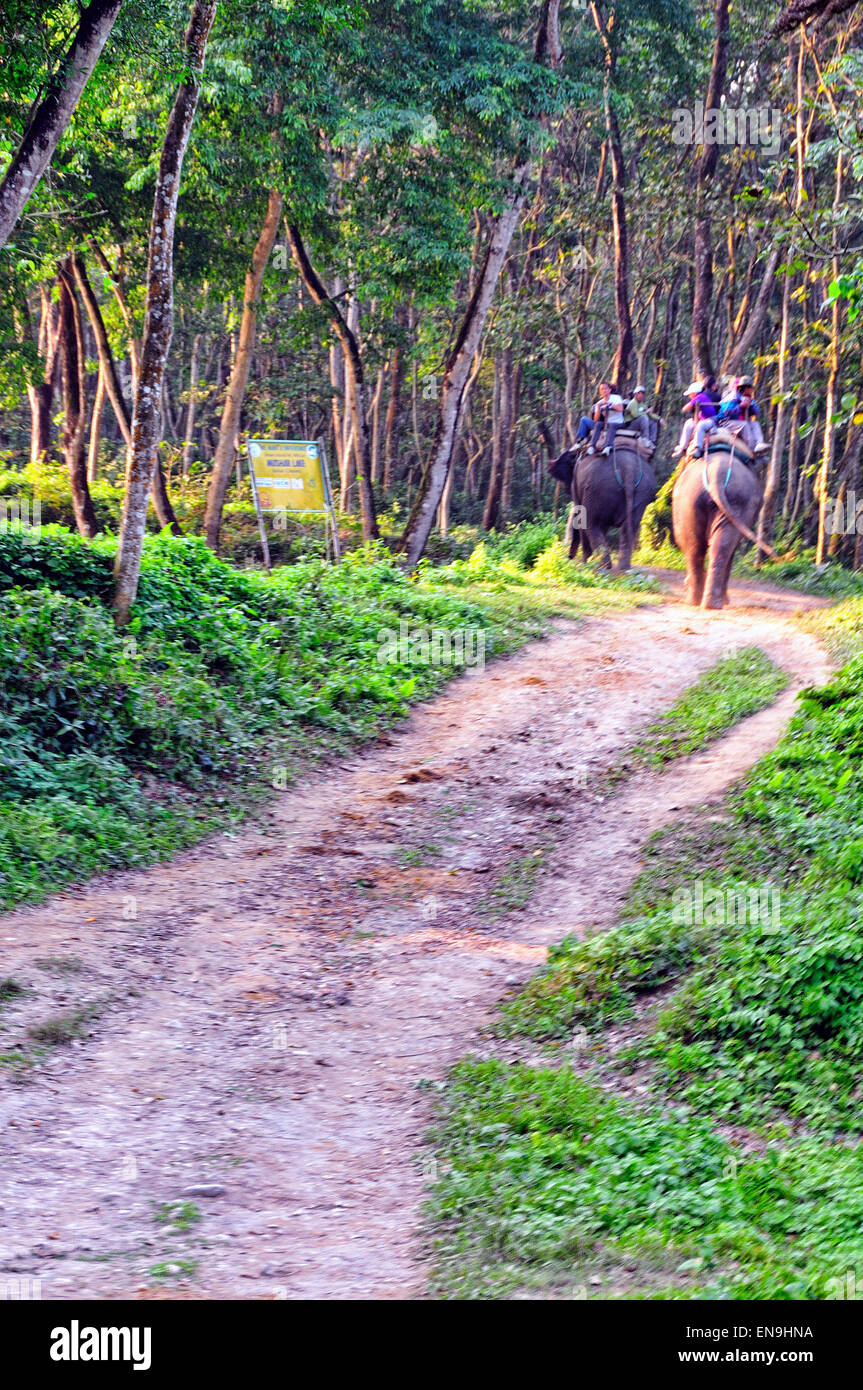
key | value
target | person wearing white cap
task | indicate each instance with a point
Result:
(688, 430)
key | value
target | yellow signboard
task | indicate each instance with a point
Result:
(288, 475)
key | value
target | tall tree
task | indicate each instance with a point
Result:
(706, 159)
(52, 115)
(159, 321)
(238, 380)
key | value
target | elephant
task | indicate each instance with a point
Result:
(714, 503)
(607, 491)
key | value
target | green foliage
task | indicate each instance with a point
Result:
(735, 687)
(121, 747)
(839, 627)
(767, 1014)
(771, 1018)
(733, 982)
(548, 1179)
(595, 982)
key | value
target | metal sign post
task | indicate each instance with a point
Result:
(262, 530)
(331, 510)
(291, 475)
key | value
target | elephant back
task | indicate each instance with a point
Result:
(729, 442)
(636, 442)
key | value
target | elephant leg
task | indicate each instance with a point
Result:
(570, 535)
(598, 542)
(695, 576)
(723, 543)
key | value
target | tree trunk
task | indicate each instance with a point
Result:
(620, 365)
(705, 169)
(53, 113)
(491, 512)
(96, 429)
(745, 342)
(834, 362)
(117, 278)
(354, 374)
(74, 372)
(391, 442)
(191, 410)
(41, 393)
(456, 375)
(376, 424)
(159, 322)
(110, 381)
(780, 427)
(239, 378)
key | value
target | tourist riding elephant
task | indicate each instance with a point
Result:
(714, 502)
(608, 491)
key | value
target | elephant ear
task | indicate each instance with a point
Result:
(562, 468)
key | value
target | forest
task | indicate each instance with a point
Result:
(423, 233)
(392, 805)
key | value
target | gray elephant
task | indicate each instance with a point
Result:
(714, 503)
(608, 491)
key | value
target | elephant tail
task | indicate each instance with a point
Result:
(716, 488)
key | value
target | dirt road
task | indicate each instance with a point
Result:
(266, 1011)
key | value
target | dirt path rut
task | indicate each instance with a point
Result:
(264, 1024)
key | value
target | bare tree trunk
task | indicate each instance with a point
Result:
(376, 424)
(41, 393)
(96, 429)
(443, 510)
(641, 351)
(704, 171)
(793, 452)
(159, 322)
(514, 393)
(393, 414)
(620, 365)
(54, 111)
(823, 480)
(337, 381)
(107, 365)
(780, 427)
(117, 278)
(110, 380)
(548, 46)
(192, 407)
(354, 374)
(491, 512)
(239, 378)
(746, 340)
(74, 370)
(456, 374)
(663, 354)
(348, 476)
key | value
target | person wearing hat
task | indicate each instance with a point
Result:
(705, 413)
(743, 406)
(688, 430)
(642, 419)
